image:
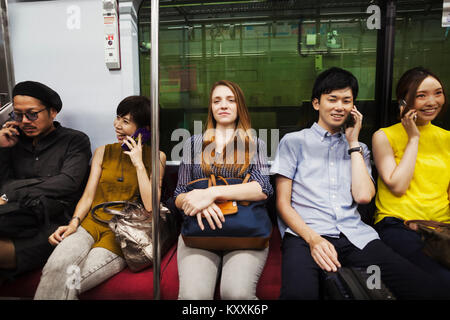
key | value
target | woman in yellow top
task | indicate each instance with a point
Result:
(413, 162)
(86, 252)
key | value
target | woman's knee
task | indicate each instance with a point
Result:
(195, 293)
(58, 261)
(68, 253)
(234, 292)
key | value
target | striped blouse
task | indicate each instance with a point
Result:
(191, 170)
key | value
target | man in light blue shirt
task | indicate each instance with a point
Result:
(320, 168)
(323, 173)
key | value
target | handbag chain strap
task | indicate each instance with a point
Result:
(105, 206)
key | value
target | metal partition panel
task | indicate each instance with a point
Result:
(6, 77)
(154, 83)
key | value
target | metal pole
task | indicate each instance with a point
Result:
(154, 87)
(7, 46)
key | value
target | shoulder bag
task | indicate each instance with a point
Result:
(247, 224)
(132, 226)
(436, 237)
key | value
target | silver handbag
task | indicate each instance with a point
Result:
(132, 226)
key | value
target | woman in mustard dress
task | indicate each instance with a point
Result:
(413, 161)
(86, 252)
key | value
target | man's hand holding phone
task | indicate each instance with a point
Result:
(9, 134)
(353, 125)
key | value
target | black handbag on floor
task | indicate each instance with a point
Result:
(351, 284)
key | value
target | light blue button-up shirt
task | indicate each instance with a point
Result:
(320, 168)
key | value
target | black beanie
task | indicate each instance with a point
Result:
(40, 91)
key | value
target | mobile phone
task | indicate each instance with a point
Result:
(403, 104)
(5, 113)
(349, 122)
(145, 136)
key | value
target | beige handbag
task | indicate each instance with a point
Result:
(132, 226)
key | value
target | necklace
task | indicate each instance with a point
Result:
(120, 179)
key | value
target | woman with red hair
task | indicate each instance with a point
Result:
(225, 149)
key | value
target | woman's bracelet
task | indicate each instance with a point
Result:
(78, 218)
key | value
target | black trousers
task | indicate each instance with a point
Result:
(29, 230)
(301, 276)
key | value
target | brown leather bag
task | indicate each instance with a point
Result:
(436, 237)
(228, 206)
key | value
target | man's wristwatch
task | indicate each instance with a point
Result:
(355, 149)
(4, 197)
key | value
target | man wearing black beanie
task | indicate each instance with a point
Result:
(43, 166)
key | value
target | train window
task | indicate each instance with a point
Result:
(272, 49)
(420, 40)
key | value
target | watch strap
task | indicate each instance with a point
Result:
(355, 149)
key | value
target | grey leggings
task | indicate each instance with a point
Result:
(75, 267)
(198, 270)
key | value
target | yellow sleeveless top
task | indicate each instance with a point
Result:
(116, 165)
(427, 195)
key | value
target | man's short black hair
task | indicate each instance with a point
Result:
(334, 79)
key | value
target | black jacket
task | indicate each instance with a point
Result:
(53, 170)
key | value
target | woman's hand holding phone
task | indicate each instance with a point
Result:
(135, 150)
(145, 136)
(409, 122)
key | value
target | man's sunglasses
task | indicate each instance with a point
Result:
(18, 116)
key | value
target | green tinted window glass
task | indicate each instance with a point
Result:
(273, 51)
(420, 40)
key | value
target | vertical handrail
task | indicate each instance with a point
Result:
(7, 46)
(154, 87)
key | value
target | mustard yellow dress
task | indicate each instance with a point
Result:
(118, 182)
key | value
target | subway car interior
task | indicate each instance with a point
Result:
(274, 50)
